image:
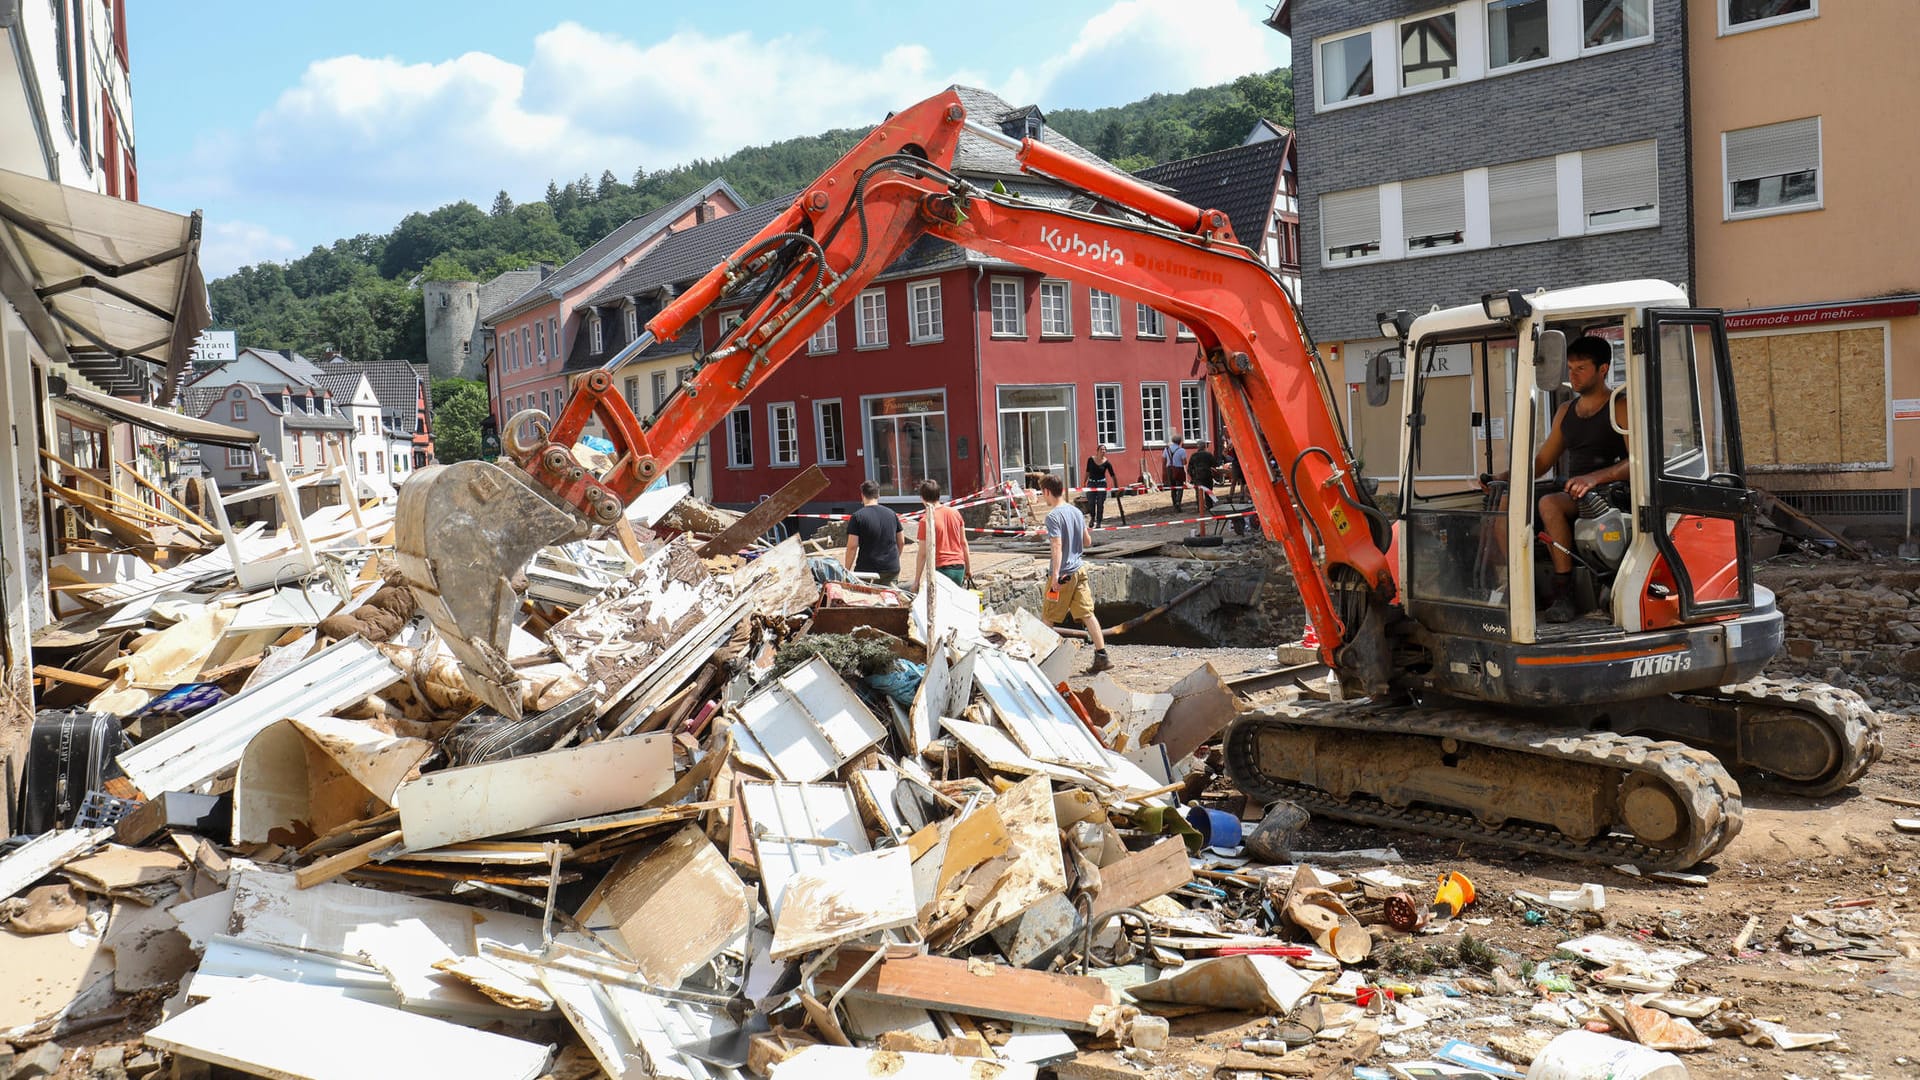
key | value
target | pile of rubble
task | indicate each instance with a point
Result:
(753, 819)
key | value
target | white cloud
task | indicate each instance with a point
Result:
(226, 246)
(1140, 47)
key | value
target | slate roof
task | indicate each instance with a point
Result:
(341, 384)
(508, 287)
(393, 381)
(611, 247)
(299, 369)
(1242, 180)
(689, 253)
(979, 156)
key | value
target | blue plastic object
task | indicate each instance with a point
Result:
(1218, 829)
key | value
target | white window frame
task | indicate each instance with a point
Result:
(820, 431)
(1580, 10)
(1063, 289)
(632, 387)
(238, 458)
(1201, 428)
(237, 408)
(1586, 212)
(791, 458)
(877, 299)
(1149, 323)
(1406, 229)
(1181, 332)
(597, 335)
(1399, 57)
(658, 385)
(526, 345)
(736, 445)
(1146, 434)
(540, 340)
(633, 323)
(1819, 175)
(1118, 423)
(1098, 299)
(1727, 27)
(935, 328)
(1018, 308)
(1381, 246)
(729, 320)
(1373, 51)
(826, 339)
(1486, 25)
(553, 336)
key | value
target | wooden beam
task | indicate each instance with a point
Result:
(1142, 876)
(770, 512)
(76, 678)
(949, 985)
(339, 863)
(192, 517)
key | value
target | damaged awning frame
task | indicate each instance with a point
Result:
(95, 293)
(179, 425)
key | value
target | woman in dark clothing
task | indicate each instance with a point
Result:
(1100, 476)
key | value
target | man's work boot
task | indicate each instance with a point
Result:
(1561, 610)
(1101, 662)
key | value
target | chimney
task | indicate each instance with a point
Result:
(702, 213)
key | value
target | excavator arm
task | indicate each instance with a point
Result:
(843, 231)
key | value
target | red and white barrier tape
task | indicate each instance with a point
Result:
(1118, 528)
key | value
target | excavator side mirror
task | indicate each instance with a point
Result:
(1379, 377)
(1550, 359)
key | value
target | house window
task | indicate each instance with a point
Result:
(1346, 68)
(540, 340)
(1350, 224)
(1773, 169)
(683, 376)
(238, 408)
(380, 463)
(299, 452)
(239, 459)
(513, 353)
(1107, 430)
(526, 346)
(740, 438)
(632, 394)
(553, 336)
(546, 403)
(906, 441)
(1609, 22)
(783, 433)
(597, 336)
(1148, 323)
(658, 380)
(1434, 212)
(923, 304)
(1429, 50)
(1738, 15)
(1055, 318)
(1523, 201)
(1180, 331)
(1153, 414)
(1620, 186)
(729, 320)
(1009, 313)
(363, 461)
(1516, 32)
(633, 324)
(830, 427)
(826, 339)
(873, 319)
(1103, 314)
(1193, 410)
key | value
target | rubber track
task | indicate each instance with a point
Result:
(1852, 720)
(1710, 795)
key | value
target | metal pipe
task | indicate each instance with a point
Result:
(1133, 623)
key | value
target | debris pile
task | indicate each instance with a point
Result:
(748, 822)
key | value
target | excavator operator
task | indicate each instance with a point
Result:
(1596, 455)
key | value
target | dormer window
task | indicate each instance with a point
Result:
(1025, 123)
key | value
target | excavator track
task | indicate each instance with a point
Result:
(1846, 722)
(1702, 799)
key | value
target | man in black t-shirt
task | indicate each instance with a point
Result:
(874, 537)
(1200, 466)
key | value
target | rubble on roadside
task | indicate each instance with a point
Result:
(752, 821)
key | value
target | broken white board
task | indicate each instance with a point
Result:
(294, 1032)
(1033, 712)
(632, 1033)
(996, 751)
(840, 1062)
(960, 684)
(1640, 959)
(44, 854)
(473, 802)
(923, 719)
(1264, 984)
(229, 962)
(799, 827)
(805, 725)
(954, 610)
(845, 901)
(301, 778)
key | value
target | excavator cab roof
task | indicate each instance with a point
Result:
(1557, 303)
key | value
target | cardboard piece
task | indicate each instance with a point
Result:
(677, 906)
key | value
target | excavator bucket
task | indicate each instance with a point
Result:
(463, 533)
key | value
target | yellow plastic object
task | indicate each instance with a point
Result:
(1455, 892)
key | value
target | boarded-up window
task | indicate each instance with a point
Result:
(1812, 400)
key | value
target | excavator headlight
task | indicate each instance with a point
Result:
(1395, 324)
(1506, 306)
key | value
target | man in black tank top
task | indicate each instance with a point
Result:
(1596, 454)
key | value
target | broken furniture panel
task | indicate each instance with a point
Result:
(839, 1062)
(616, 635)
(677, 906)
(992, 748)
(1034, 868)
(44, 854)
(477, 801)
(923, 718)
(844, 901)
(805, 725)
(797, 828)
(305, 778)
(1250, 983)
(1033, 713)
(632, 1033)
(1074, 1002)
(1203, 705)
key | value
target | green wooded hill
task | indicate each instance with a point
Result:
(357, 295)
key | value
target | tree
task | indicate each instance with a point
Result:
(609, 185)
(459, 405)
(553, 194)
(502, 204)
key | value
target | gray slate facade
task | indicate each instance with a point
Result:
(1606, 99)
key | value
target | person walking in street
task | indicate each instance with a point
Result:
(1067, 591)
(1101, 475)
(875, 538)
(1200, 469)
(1176, 470)
(951, 555)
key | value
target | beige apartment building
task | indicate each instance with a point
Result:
(1806, 228)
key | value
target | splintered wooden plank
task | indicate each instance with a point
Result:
(474, 802)
(1034, 870)
(677, 906)
(1142, 876)
(950, 985)
(767, 513)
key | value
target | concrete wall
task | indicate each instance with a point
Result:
(452, 314)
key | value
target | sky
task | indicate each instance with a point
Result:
(292, 124)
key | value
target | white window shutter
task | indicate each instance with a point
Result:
(1774, 150)
(1349, 218)
(1620, 178)
(1434, 206)
(1522, 199)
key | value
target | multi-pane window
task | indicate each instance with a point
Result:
(1056, 319)
(1148, 323)
(1774, 168)
(1009, 314)
(632, 395)
(872, 314)
(829, 421)
(1753, 14)
(783, 433)
(1350, 224)
(1523, 202)
(740, 438)
(526, 344)
(1620, 185)
(1429, 50)
(826, 339)
(1609, 22)
(1433, 211)
(659, 380)
(238, 458)
(540, 340)
(923, 305)
(1193, 410)
(1107, 430)
(1346, 68)
(1181, 332)
(729, 320)
(1516, 32)
(1103, 314)
(633, 323)
(597, 335)
(553, 336)
(238, 409)
(1153, 414)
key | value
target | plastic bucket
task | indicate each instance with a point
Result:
(1217, 828)
(1584, 1055)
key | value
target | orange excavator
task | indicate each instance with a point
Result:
(1614, 738)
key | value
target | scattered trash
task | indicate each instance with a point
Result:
(1584, 1055)
(1588, 897)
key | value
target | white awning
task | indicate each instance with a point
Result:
(103, 284)
(180, 425)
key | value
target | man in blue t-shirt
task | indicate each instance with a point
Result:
(1067, 591)
(874, 538)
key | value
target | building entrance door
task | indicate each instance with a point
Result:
(1036, 430)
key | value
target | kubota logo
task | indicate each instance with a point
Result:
(1073, 245)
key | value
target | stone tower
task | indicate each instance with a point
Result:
(453, 310)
